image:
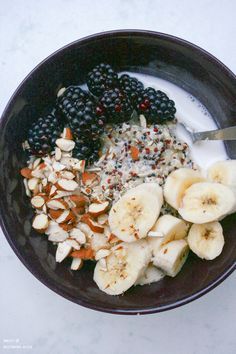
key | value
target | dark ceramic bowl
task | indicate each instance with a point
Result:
(157, 54)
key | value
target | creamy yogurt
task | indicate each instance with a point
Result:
(195, 115)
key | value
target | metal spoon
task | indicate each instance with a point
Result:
(218, 134)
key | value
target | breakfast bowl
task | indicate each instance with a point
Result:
(142, 52)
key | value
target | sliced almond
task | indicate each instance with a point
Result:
(44, 182)
(66, 226)
(73, 243)
(40, 189)
(61, 194)
(102, 253)
(58, 236)
(57, 204)
(83, 253)
(44, 209)
(67, 175)
(52, 227)
(61, 91)
(33, 183)
(53, 191)
(80, 166)
(76, 264)
(36, 162)
(37, 174)
(89, 178)
(94, 226)
(55, 214)
(78, 235)
(57, 166)
(66, 154)
(78, 210)
(66, 185)
(65, 144)
(42, 166)
(27, 191)
(63, 250)
(85, 229)
(143, 121)
(102, 219)
(52, 177)
(57, 154)
(63, 217)
(67, 134)
(37, 201)
(26, 172)
(40, 223)
(96, 209)
(79, 200)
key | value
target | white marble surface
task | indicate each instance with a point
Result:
(32, 315)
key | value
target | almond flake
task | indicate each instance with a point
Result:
(76, 264)
(63, 250)
(36, 162)
(78, 235)
(57, 154)
(73, 243)
(102, 253)
(65, 144)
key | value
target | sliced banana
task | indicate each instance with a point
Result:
(206, 240)
(223, 172)
(151, 275)
(153, 188)
(136, 212)
(124, 265)
(177, 182)
(171, 227)
(171, 257)
(206, 202)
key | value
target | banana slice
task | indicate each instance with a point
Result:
(171, 227)
(177, 182)
(153, 188)
(171, 257)
(151, 275)
(136, 212)
(223, 172)
(206, 202)
(125, 264)
(206, 240)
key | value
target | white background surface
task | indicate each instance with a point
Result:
(30, 313)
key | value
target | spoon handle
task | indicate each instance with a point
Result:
(219, 134)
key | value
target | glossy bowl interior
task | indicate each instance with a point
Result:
(139, 51)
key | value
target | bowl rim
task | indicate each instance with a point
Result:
(113, 33)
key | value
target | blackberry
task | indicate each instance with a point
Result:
(132, 87)
(81, 113)
(102, 78)
(116, 106)
(67, 100)
(156, 106)
(43, 134)
(86, 150)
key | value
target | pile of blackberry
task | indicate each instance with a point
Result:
(85, 120)
(109, 100)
